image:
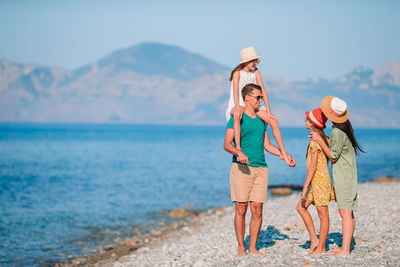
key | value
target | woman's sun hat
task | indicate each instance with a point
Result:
(248, 54)
(317, 118)
(335, 109)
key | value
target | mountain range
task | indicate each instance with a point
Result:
(154, 83)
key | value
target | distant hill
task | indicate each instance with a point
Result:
(161, 84)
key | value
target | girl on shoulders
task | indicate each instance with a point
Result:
(342, 150)
(245, 73)
(317, 189)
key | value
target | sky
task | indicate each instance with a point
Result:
(294, 38)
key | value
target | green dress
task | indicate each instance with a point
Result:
(344, 170)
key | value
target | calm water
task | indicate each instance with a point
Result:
(64, 187)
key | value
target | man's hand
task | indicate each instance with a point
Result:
(290, 161)
(316, 137)
(242, 158)
(237, 112)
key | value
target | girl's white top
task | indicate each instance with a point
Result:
(245, 78)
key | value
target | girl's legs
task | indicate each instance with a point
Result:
(273, 122)
(323, 214)
(301, 208)
(348, 227)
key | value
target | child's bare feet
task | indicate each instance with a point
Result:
(241, 252)
(256, 252)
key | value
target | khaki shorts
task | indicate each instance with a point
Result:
(248, 183)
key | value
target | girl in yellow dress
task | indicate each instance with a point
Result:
(318, 188)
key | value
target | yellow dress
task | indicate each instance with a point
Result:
(321, 190)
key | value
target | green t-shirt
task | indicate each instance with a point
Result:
(251, 139)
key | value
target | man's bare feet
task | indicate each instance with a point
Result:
(256, 252)
(241, 252)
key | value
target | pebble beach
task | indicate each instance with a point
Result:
(209, 238)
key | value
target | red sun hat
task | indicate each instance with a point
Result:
(317, 117)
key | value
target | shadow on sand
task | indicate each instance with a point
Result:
(267, 238)
(333, 238)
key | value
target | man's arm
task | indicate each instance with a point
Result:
(269, 147)
(241, 157)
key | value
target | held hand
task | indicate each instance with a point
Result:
(316, 137)
(242, 158)
(290, 161)
(303, 194)
(237, 112)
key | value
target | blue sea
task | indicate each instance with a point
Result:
(65, 187)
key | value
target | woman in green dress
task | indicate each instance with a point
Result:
(342, 149)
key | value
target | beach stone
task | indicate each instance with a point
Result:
(174, 225)
(109, 247)
(199, 263)
(156, 233)
(179, 213)
(386, 178)
(281, 191)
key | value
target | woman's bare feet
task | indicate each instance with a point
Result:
(317, 251)
(342, 252)
(333, 251)
(241, 252)
(256, 252)
(313, 246)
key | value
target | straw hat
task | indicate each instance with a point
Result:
(317, 118)
(247, 54)
(335, 109)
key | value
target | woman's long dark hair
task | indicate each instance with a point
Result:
(348, 129)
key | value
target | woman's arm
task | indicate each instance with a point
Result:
(264, 93)
(327, 151)
(310, 173)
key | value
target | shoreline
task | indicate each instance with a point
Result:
(193, 224)
(181, 217)
(125, 246)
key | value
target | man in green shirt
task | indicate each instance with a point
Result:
(249, 172)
